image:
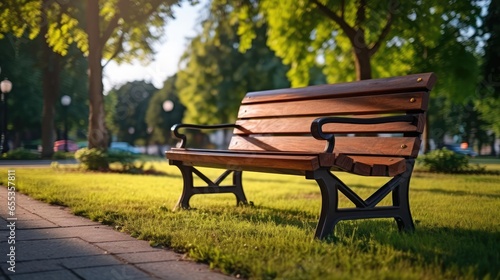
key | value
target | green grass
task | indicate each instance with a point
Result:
(457, 223)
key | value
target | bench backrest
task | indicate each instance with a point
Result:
(280, 120)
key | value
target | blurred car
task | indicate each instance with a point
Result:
(460, 149)
(82, 144)
(60, 145)
(123, 147)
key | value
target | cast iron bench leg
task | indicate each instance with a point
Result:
(188, 189)
(329, 202)
(330, 214)
(400, 197)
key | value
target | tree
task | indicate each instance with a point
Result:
(216, 75)
(20, 56)
(489, 101)
(130, 111)
(352, 39)
(121, 30)
(28, 21)
(161, 116)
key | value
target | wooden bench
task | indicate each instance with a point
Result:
(370, 128)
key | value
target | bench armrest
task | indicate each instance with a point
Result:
(182, 143)
(317, 125)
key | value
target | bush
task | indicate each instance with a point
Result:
(95, 159)
(62, 155)
(92, 159)
(446, 161)
(21, 153)
(125, 159)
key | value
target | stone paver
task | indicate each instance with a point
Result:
(51, 243)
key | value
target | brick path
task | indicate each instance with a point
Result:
(51, 243)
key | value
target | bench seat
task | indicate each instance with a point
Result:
(286, 163)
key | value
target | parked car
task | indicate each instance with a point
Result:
(60, 145)
(82, 144)
(123, 147)
(459, 149)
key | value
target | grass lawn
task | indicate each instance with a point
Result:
(457, 223)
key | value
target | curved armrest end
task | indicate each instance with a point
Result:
(175, 130)
(317, 133)
(182, 143)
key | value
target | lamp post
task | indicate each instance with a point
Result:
(65, 101)
(5, 87)
(148, 138)
(167, 107)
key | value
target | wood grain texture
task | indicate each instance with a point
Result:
(415, 82)
(388, 146)
(241, 160)
(376, 104)
(371, 165)
(302, 125)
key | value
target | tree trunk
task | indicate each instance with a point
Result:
(98, 133)
(50, 91)
(493, 150)
(362, 63)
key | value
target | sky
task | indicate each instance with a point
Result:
(168, 52)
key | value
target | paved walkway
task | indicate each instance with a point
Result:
(51, 243)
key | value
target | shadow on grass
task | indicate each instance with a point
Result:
(300, 219)
(474, 252)
(438, 191)
(469, 251)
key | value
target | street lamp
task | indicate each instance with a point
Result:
(168, 106)
(5, 87)
(65, 101)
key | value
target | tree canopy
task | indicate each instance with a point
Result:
(217, 75)
(351, 39)
(164, 110)
(121, 30)
(489, 101)
(130, 110)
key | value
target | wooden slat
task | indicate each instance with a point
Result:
(371, 165)
(389, 146)
(415, 82)
(302, 125)
(237, 161)
(389, 103)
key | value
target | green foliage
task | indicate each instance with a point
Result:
(489, 101)
(21, 154)
(115, 30)
(63, 155)
(126, 160)
(334, 32)
(99, 160)
(19, 56)
(20, 20)
(160, 120)
(26, 100)
(129, 113)
(456, 235)
(92, 159)
(217, 75)
(446, 161)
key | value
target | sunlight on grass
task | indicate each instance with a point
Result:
(457, 223)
